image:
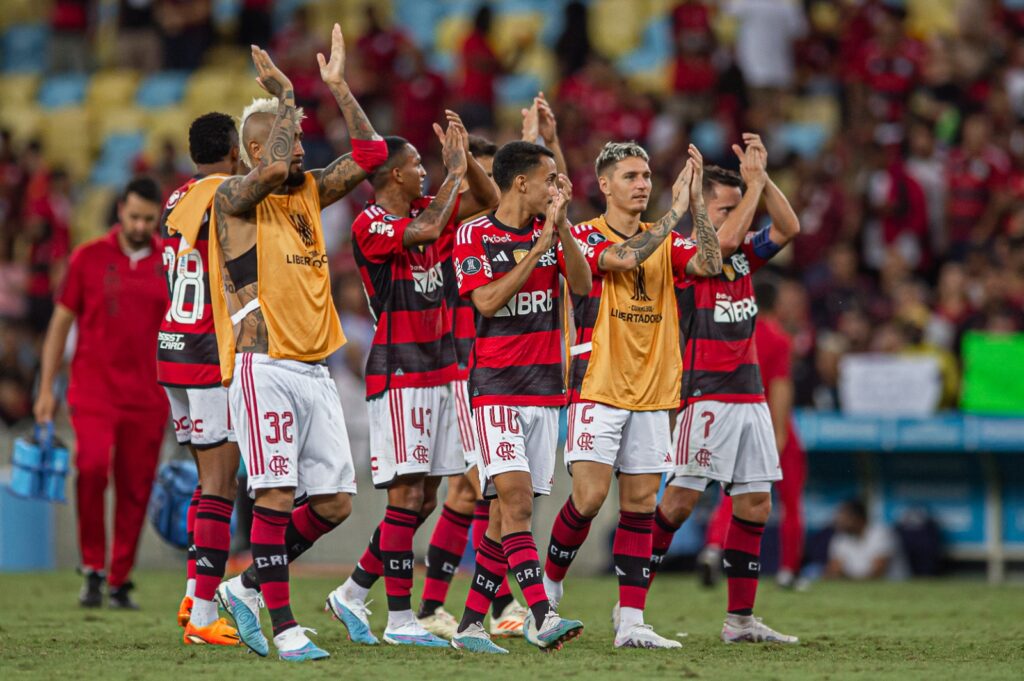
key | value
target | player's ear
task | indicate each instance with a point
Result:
(520, 183)
(602, 184)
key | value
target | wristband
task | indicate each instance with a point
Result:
(369, 154)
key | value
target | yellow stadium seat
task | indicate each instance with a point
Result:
(89, 219)
(511, 30)
(654, 81)
(111, 89)
(541, 62)
(19, 88)
(822, 110)
(66, 140)
(168, 124)
(615, 26)
(117, 120)
(24, 120)
(211, 87)
(451, 32)
(23, 12)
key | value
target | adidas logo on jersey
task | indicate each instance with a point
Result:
(731, 311)
(501, 257)
(527, 302)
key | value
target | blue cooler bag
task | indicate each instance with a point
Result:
(40, 466)
(169, 502)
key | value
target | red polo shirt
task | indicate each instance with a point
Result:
(118, 304)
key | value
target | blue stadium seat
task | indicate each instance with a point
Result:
(654, 50)
(519, 88)
(163, 89)
(114, 167)
(63, 90)
(709, 136)
(419, 19)
(803, 139)
(25, 48)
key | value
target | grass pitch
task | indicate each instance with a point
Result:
(921, 630)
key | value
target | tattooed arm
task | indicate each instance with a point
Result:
(342, 176)
(428, 225)
(630, 253)
(708, 261)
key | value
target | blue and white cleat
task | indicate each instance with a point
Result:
(294, 646)
(353, 614)
(412, 634)
(553, 633)
(476, 640)
(750, 629)
(243, 605)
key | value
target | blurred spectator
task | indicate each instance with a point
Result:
(765, 40)
(860, 550)
(138, 43)
(186, 30)
(254, 22)
(573, 48)
(69, 37)
(897, 216)
(975, 171)
(47, 230)
(478, 71)
(419, 102)
(379, 49)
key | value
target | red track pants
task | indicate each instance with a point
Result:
(127, 444)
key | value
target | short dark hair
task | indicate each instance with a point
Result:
(145, 188)
(396, 147)
(211, 137)
(717, 175)
(766, 290)
(481, 146)
(517, 158)
(856, 508)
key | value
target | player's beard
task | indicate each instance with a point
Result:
(296, 176)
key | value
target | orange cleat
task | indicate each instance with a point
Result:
(184, 611)
(220, 633)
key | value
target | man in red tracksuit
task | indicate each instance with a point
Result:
(116, 291)
(774, 350)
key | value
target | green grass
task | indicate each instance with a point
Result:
(920, 630)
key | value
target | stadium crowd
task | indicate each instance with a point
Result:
(912, 211)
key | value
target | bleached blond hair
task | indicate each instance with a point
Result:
(261, 105)
(613, 152)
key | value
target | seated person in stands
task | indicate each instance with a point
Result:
(862, 550)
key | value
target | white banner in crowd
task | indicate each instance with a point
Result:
(889, 385)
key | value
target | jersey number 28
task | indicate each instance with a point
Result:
(186, 285)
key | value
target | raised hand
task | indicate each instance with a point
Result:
(333, 72)
(453, 151)
(531, 129)
(546, 124)
(752, 164)
(682, 188)
(269, 77)
(697, 182)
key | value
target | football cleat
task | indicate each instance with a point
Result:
(475, 640)
(91, 595)
(616, 616)
(294, 646)
(220, 633)
(643, 636)
(510, 622)
(120, 598)
(184, 611)
(709, 565)
(750, 629)
(441, 623)
(553, 633)
(412, 634)
(243, 605)
(554, 591)
(353, 614)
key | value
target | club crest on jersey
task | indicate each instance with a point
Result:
(505, 451)
(594, 238)
(740, 264)
(702, 457)
(304, 229)
(549, 259)
(519, 254)
(471, 265)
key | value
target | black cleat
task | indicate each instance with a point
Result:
(91, 595)
(120, 598)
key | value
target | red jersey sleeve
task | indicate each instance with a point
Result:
(472, 267)
(379, 234)
(592, 242)
(446, 242)
(71, 293)
(683, 251)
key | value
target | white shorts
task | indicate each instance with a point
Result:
(290, 426)
(517, 439)
(732, 443)
(201, 416)
(467, 428)
(631, 442)
(413, 431)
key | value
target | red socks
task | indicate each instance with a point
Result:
(212, 542)
(631, 552)
(567, 536)
(742, 561)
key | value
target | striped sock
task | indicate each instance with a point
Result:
(212, 542)
(491, 567)
(567, 536)
(190, 527)
(270, 557)
(631, 552)
(523, 561)
(447, 544)
(742, 561)
(661, 539)
(396, 551)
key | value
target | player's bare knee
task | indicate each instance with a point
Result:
(276, 498)
(516, 510)
(639, 493)
(678, 503)
(334, 508)
(461, 495)
(588, 499)
(756, 507)
(407, 493)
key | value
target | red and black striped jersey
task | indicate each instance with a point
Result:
(187, 349)
(517, 355)
(462, 311)
(412, 345)
(717, 318)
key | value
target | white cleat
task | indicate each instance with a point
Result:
(510, 622)
(616, 617)
(441, 623)
(750, 629)
(643, 636)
